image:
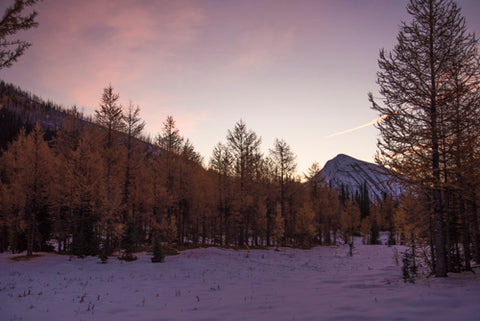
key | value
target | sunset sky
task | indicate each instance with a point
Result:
(297, 70)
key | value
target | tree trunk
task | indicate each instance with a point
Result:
(476, 230)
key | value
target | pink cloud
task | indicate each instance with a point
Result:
(260, 48)
(82, 48)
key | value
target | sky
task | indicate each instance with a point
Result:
(293, 70)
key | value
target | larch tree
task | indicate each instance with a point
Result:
(189, 186)
(417, 82)
(90, 217)
(349, 221)
(179, 163)
(221, 162)
(171, 142)
(284, 166)
(305, 225)
(110, 117)
(278, 230)
(30, 181)
(13, 21)
(133, 126)
(244, 145)
(65, 145)
(4, 216)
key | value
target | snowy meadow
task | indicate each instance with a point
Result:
(323, 283)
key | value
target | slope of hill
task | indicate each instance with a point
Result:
(22, 109)
(352, 174)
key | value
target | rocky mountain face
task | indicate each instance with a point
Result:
(352, 175)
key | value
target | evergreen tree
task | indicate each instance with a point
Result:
(158, 253)
(363, 200)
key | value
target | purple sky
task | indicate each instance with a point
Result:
(297, 70)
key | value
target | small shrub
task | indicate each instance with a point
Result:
(409, 268)
(103, 257)
(127, 256)
(158, 253)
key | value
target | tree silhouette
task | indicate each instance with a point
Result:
(419, 81)
(12, 22)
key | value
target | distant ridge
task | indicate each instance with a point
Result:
(352, 174)
(22, 109)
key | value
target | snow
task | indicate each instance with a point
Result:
(221, 284)
(353, 173)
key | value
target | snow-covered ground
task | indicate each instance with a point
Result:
(217, 284)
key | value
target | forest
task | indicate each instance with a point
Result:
(95, 186)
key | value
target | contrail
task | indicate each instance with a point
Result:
(370, 123)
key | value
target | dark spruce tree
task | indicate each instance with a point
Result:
(158, 253)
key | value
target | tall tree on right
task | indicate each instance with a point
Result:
(434, 62)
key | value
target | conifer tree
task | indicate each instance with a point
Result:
(350, 222)
(158, 253)
(244, 145)
(132, 161)
(305, 225)
(12, 22)
(89, 205)
(66, 142)
(419, 81)
(30, 181)
(221, 163)
(110, 117)
(284, 166)
(278, 227)
(3, 216)
(170, 142)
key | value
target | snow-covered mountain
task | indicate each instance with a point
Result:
(352, 174)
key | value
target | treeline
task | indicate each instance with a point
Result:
(96, 188)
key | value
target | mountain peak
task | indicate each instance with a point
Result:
(352, 174)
